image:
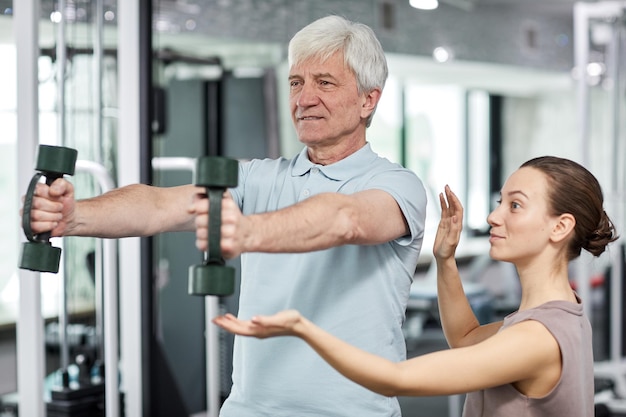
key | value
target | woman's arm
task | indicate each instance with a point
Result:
(460, 325)
(525, 353)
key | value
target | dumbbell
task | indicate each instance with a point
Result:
(213, 277)
(38, 254)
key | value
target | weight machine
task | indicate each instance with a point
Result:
(603, 25)
(600, 46)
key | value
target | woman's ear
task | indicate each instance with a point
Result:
(563, 227)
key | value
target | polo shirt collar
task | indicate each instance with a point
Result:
(340, 170)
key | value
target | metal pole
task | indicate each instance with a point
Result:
(107, 258)
(30, 341)
(581, 59)
(211, 304)
(60, 74)
(98, 57)
(583, 12)
(213, 357)
(98, 34)
(616, 191)
(129, 130)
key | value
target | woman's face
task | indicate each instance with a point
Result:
(521, 224)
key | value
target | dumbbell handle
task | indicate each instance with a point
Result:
(214, 253)
(28, 203)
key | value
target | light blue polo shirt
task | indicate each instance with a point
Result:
(358, 293)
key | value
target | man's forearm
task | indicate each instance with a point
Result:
(134, 210)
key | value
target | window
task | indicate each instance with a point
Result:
(9, 219)
(441, 132)
(80, 125)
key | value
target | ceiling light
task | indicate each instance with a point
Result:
(596, 69)
(424, 4)
(441, 54)
(56, 17)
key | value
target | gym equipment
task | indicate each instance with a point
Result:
(86, 385)
(38, 254)
(213, 277)
(79, 392)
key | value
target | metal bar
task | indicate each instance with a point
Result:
(583, 13)
(145, 115)
(211, 306)
(30, 341)
(128, 173)
(212, 356)
(109, 310)
(97, 62)
(174, 164)
(581, 59)
(616, 263)
(99, 270)
(61, 128)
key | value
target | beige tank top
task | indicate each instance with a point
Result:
(573, 394)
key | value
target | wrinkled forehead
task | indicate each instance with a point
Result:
(317, 65)
(316, 57)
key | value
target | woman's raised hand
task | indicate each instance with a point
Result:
(450, 225)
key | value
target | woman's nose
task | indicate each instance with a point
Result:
(492, 218)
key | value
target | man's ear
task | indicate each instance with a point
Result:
(369, 104)
(563, 227)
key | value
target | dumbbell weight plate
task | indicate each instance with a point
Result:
(211, 279)
(56, 159)
(42, 257)
(216, 172)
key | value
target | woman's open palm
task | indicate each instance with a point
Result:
(450, 225)
(280, 324)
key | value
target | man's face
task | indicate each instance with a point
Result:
(326, 108)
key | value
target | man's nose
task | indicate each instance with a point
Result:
(307, 96)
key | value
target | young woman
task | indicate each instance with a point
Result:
(538, 361)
